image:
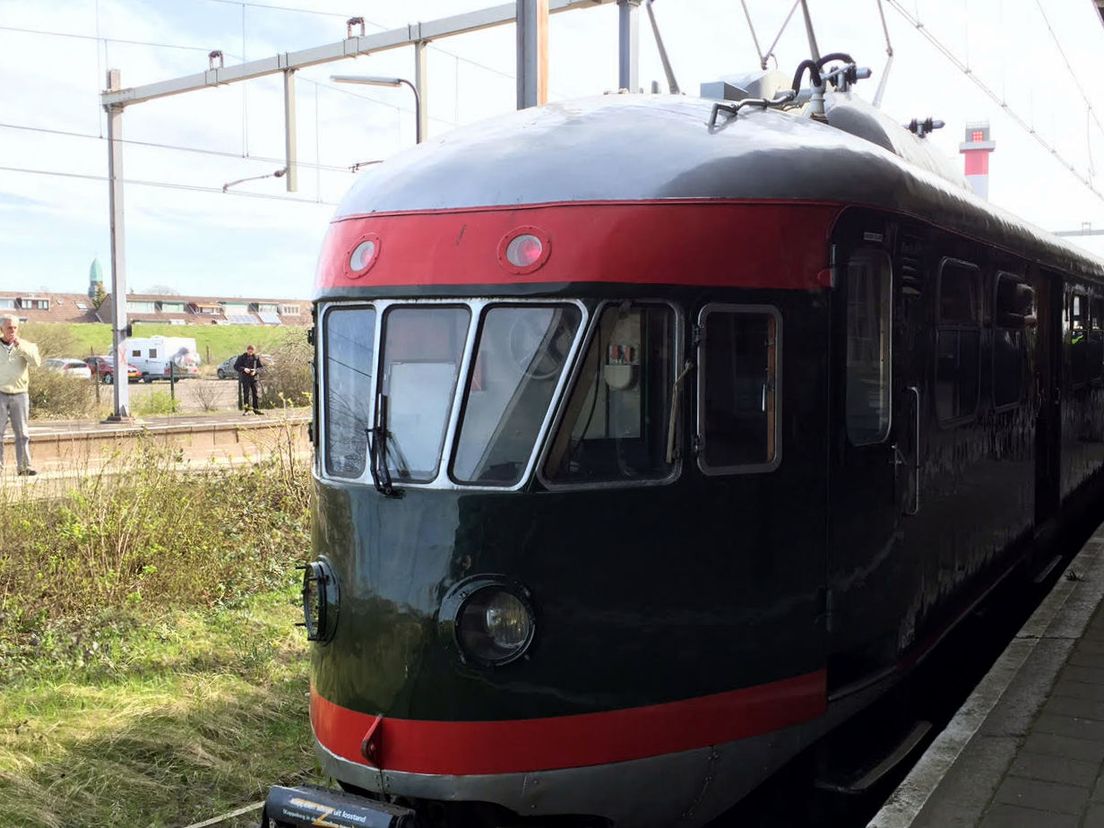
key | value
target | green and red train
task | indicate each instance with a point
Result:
(650, 448)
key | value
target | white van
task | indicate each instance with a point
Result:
(161, 357)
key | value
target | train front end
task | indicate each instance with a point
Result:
(556, 572)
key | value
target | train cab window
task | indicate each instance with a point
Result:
(348, 369)
(615, 423)
(423, 346)
(869, 309)
(1096, 339)
(519, 359)
(957, 342)
(1014, 310)
(738, 376)
(1078, 314)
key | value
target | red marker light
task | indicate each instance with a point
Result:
(523, 250)
(364, 255)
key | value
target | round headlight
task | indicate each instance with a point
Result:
(319, 601)
(490, 619)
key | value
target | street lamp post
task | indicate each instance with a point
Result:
(371, 80)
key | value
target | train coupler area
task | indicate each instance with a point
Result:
(310, 805)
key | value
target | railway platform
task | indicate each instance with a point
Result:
(1026, 750)
(72, 446)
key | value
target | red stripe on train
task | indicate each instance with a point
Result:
(464, 748)
(708, 243)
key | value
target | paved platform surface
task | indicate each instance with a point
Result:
(1026, 750)
(87, 446)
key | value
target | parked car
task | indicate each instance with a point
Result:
(68, 367)
(226, 367)
(103, 367)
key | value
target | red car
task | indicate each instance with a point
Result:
(103, 367)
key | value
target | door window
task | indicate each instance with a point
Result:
(869, 311)
(957, 342)
(1015, 303)
(1078, 343)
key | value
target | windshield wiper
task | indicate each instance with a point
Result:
(377, 451)
(676, 404)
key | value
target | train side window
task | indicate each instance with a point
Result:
(1014, 310)
(957, 342)
(348, 370)
(1096, 339)
(869, 322)
(738, 379)
(1078, 322)
(615, 424)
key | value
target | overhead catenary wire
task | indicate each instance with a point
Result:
(1080, 89)
(168, 185)
(977, 81)
(105, 39)
(174, 147)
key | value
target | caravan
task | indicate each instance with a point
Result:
(163, 357)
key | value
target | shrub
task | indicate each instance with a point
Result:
(288, 379)
(55, 395)
(151, 533)
(155, 402)
(52, 339)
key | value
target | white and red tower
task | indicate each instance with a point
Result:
(976, 149)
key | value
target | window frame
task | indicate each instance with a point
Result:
(699, 419)
(565, 391)
(878, 252)
(1016, 278)
(961, 419)
(476, 307)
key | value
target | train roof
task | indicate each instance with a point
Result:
(653, 147)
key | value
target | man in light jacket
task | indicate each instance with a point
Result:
(16, 357)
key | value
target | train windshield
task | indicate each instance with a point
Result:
(520, 356)
(616, 422)
(348, 370)
(422, 350)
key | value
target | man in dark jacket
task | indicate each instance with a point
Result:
(248, 365)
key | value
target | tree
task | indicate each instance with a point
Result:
(99, 296)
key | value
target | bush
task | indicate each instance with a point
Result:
(52, 339)
(55, 395)
(155, 402)
(288, 380)
(152, 533)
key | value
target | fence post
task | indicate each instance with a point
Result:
(172, 384)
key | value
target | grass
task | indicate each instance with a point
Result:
(164, 723)
(214, 342)
(151, 672)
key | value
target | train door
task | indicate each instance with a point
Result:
(878, 312)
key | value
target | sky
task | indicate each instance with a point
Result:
(183, 232)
